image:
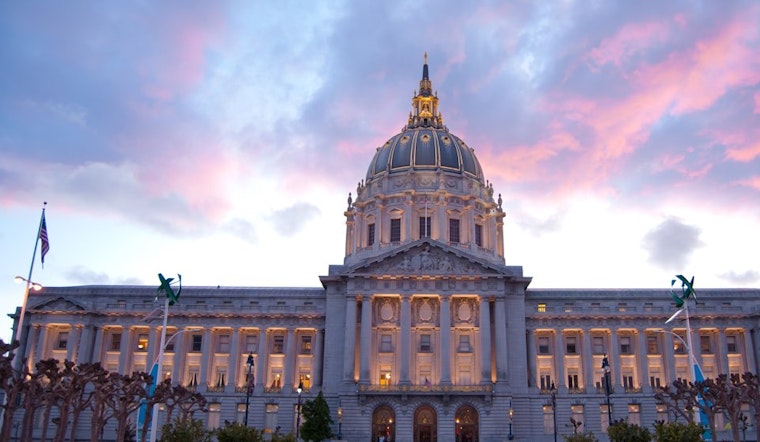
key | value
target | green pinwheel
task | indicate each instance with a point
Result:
(168, 290)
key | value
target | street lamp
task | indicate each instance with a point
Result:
(249, 385)
(298, 417)
(340, 422)
(511, 418)
(606, 368)
(31, 284)
(554, 409)
(458, 429)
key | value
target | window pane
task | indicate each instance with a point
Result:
(454, 231)
(395, 230)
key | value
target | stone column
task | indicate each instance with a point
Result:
(72, 347)
(559, 362)
(34, 342)
(670, 360)
(234, 360)
(263, 352)
(615, 358)
(154, 336)
(445, 353)
(485, 340)
(643, 367)
(530, 338)
(316, 360)
(95, 355)
(289, 371)
(405, 347)
(407, 220)
(748, 352)
(207, 348)
(350, 340)
(723, 349)
(588, 362)
(365, 340)
(125, 349)
(500, 334)
(178, 366)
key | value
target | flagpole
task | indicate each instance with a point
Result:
(159, 372)
(17, 358)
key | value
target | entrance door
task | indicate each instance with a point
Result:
(467, 427)
(425, 424)
(383, 424)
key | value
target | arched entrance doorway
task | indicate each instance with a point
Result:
(383, 424)
(425, 424)
(466, 420)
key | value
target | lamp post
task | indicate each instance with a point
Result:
(511, 418)
(606, 368)
(554, 409)
(458, 429)
(249, 386)
(298, 416)
(340, 422)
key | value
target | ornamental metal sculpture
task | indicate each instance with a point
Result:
(166, 288)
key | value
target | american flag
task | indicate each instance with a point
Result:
(44, 239)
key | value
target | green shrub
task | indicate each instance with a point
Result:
(188, 430)
(581, 437)
(236, 432)
(622, 431)
(677, 432)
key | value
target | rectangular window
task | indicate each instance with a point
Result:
(543, 345)
(424, 227)
(541, 308)
(478, 235)
(223, 344)
(570, 345)
(628, 382)
(385, 379)
(386, 343)
(251, 343)
(662, 413)
(731, 346)
(605, 415)
(625, 345)
(548, 419)
(572, 381)
(306, 344)
(115, 341)
(653, 346)
(598, 344)
(304, 379)
(424, 343)
(464, 344)
(546, 382)
(221, 377)
(655, 382)
(63, 340)
(240, 417)
(196, 344)
(169, 347)
(678, 344)
(214, 415)
(142, 342)
(454, 231)
(577, 416)
(705, 345)
(396, 230)
(634, 414)
(370, 234)
(278, 344)
(193, 375)
(270, 420)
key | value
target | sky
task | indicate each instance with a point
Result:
(220, 140)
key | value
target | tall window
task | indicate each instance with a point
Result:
(548, 419)
(169, 347)
(197, 343)
(577, 414)
(571, 345)
(424, 227)
(546, 381)
(605, 417)
(705, 344)
(251, 343)
(598, 344)
(396, 230)
(63, 340)
(634, 414)
(240, 417)
(543, 345)
(572, 380)
(464, 344)
(370, 234)
(306, 344)
(142, 342)
(454, 231)
(270, 420)
(115, 341)
(653, 347)
(731, 346)
(214, 415)
(223, 344)
(386, 343)
(425, 343)
(478, 235)
(278, 344)
(625, 345)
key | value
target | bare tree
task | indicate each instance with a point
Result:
(127, 393)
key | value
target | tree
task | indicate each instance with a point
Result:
(317, 421)
(127, 393)
(581, 437)
(185, 430)
(677, 432)
(236, 432)
(622, 431)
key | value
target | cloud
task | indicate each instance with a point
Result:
(291, 220)
(745, 278)
(538, 226)
(671, 243)
(85, 276)
(242, 229)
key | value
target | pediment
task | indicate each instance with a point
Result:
(59, 304)
(428, 258)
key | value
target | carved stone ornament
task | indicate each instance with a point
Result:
(428, 260)
(465, 311)
(425, 310)
(386, 310)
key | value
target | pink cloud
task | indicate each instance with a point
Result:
(757, 102)
(744, 154)
(628, 42)
(752, 182)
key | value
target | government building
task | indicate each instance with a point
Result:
(422, 334)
